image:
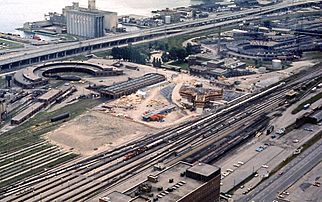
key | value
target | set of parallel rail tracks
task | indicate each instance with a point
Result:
(83, 179)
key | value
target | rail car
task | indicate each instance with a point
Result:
(142, 149)
(182, 151)
(134, 153)
(154, 144)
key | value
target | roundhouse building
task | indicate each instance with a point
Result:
(38, 75)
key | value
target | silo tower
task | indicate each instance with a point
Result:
(91, 4)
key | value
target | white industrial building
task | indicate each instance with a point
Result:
(89, 22)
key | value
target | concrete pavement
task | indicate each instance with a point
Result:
(269, 189)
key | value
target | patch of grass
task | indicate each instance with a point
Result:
(78, 58)
(309, 101)
(103, 54)
(183, 65)
(15, 157)
(7, 44)
(38, 170)
(31, 130)
(313, 55)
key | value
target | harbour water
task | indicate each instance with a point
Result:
(13, 13)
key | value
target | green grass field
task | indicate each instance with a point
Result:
(7, 44)
(32, 130)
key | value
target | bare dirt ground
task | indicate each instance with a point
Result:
(133, 107)
(94, 132)
(97, 130)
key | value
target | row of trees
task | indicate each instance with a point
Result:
(129, 54)
(141, 54)
(157, 62)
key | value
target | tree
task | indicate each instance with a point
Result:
(129, 54)
(165, 57)
(173, 54)
(159, 63)
(189, 49)
(154, 62)
(181, 54)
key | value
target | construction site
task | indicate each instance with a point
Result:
(139, 102)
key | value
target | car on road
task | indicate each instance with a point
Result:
(295, 141)
(229, 170)
(306, 106)
(259, 149)
(308, 129)
(225, 174)
(317, 184)
(280, 131)
(280, 196)
(240, 162)
(264, 166)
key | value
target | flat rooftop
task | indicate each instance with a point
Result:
(28, 111)
(172, 184)
(133, 83)
(203, 169)
(317, 115)
(50, 94)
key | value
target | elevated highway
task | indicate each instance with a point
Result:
(61, 51)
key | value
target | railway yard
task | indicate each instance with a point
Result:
(205, 139)
(239, 118)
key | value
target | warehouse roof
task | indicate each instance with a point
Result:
(317, 116)
(133, 83)
(27, 112)
(49, 95)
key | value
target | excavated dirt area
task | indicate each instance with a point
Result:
(94, 132)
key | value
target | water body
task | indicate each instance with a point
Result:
(13, 13)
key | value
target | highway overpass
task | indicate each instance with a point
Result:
(62, 51)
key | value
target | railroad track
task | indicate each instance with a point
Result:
(65, 193)
(71, 178)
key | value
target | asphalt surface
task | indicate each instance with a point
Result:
(269, 189)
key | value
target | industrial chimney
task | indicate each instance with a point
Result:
(91, 4)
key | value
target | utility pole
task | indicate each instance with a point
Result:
(219, 40)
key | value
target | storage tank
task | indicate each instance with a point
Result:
(167, 19)
(91, 4)
(262, 69)
(277, 64)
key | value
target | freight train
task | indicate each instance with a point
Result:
(143, 149)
